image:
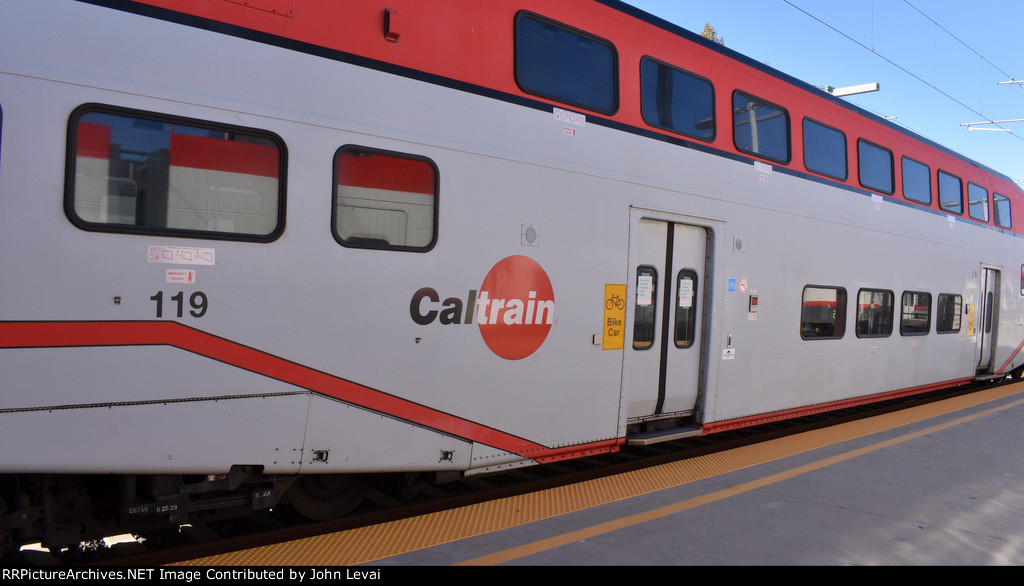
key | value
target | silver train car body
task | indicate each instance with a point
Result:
(158, 360)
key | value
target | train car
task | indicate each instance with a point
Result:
(258, 252)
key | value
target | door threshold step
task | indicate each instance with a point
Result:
(663, 435)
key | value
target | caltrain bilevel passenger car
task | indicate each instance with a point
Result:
(256, 253)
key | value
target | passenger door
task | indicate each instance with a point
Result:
(665, 339)
(989, 315)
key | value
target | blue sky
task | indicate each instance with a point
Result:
(939, 62)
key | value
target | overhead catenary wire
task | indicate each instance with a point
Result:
(959, 40)
(913, 74)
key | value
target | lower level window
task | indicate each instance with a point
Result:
(141, 172)
(874, 313)
(916, 313)
(947, 313)
(384, 200)
(823, 312)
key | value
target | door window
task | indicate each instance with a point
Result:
(646, 306)
(686, 308)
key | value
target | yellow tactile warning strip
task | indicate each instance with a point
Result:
(367, 544)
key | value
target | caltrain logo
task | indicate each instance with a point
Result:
(514, 307)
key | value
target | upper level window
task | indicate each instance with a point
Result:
(977, 202)
(676, 100)
(875, 165)
(824, 149)
(384, 200)
(760, 128)
(917, 181)
(148, 173)
(951, 190)
(1001, 210)
(565, 64)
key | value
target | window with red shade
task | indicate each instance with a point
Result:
(139, 172)
(384, 200)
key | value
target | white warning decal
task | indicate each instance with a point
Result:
(181, 276)
(182, 255)
(570, 117)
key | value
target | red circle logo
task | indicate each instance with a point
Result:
(515, 307)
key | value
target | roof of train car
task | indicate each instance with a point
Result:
(459, 48)
(693, 37)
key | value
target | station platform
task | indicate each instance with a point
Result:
(937, 484)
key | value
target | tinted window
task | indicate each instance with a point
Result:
(1001, 210)
(874, 313)
(676, 100)
(148, 173)
(557, 62)
(977, 202)
(824, 150)
(875, 166)
(916, 313)
(917, 181)
(686, 308)
(950, 193)
(947, 313)
(823, 312)
(384, 200)
(644, 310)
(760, 128)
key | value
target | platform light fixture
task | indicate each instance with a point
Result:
(853, 89)
(971, 125)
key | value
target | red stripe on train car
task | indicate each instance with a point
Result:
(1010, 359)
(457, 42)
(825, 407)
(149, 333)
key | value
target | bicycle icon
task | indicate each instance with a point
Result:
(615, 302)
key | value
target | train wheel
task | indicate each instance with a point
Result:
(1017, 373)
(322, 497)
